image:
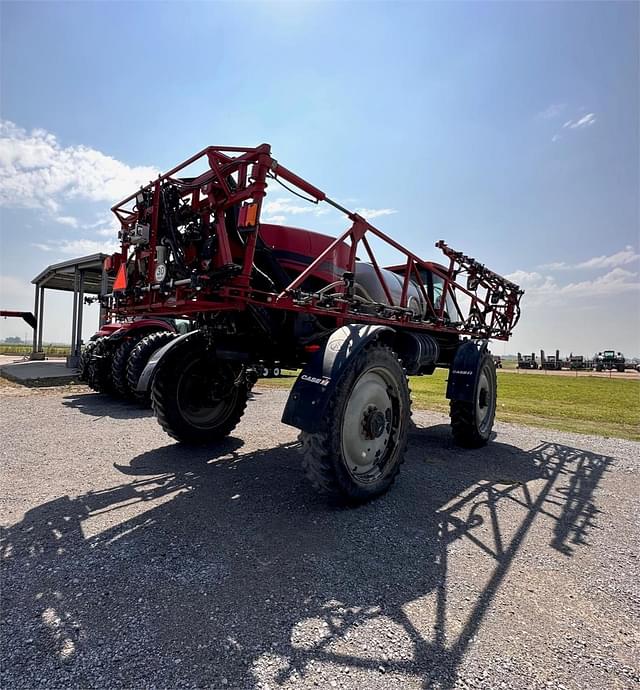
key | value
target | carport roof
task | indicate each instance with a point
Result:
(62, 276)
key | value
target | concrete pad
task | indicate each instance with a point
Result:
(50, 372)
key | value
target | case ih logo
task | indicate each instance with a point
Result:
(324, 381)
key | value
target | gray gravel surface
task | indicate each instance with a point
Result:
(128, 560)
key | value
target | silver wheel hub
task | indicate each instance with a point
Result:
(367, 423)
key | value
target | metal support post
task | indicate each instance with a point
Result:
(80, 314)
(41, 320)
(72, 359)
(35, 354)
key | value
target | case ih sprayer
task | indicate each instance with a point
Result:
(194, 247)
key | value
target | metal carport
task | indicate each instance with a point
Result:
(84, 275)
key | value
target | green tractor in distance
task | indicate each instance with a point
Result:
(609, 360)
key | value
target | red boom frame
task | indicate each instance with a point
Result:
(493, 302)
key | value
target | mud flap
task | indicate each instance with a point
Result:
(463, 375)
(318, 380)
(144, 382)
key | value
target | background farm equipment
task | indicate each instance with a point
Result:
(552, 362)
(194, 247)
(579, 362)
(608, 360)
(527, 361)
(269, 370)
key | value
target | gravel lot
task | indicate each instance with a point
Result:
(130, 561)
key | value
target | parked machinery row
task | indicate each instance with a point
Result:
(608, 360)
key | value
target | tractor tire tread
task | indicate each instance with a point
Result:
(319, 448)
(120, 363)
(463, 423)
(164, 404)
(99, 368)
(139, 358)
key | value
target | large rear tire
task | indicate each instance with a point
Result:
(197, 399)
(138, 360)
(472, 422)
(357, 453)
(99, 367)
(85, 358)
(120, 362)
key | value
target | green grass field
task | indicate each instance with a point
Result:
(49, 350)
(587, 405)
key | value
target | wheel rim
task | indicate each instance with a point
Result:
(370, 425)
(485, 401)
(200, 394)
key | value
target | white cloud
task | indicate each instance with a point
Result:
(107, 232)
(36, 171)
(622, 258)
(555, 137)
(540, 288)
(371, 213)
(282, 206)
(79, 247)
(585, 121)
(278, 209)
(71, 221)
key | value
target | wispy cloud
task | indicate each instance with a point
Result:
(585, 121)
(546, 289)
(278, 210)
(283, 205)
(578, 122)
(71, 221)
(371, 213)
(78, 247)
(622, 258)
(36, 171)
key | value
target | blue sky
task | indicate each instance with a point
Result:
(510, 130)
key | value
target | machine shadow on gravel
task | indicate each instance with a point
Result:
(102, 405)
(238, 574)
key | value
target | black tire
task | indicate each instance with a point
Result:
(99, 367)
(138, 360)
(329, 454)
(276, 372)
(85, 358)
(472, 422)
(120, 362)
(194, 396)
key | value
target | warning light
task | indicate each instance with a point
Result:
(248, 215)
(121, 279)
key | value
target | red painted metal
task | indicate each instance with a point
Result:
(237, 176)
(26, 315)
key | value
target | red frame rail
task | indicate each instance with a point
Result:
(493, 302)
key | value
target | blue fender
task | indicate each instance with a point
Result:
(317, 382)
(463, 375)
